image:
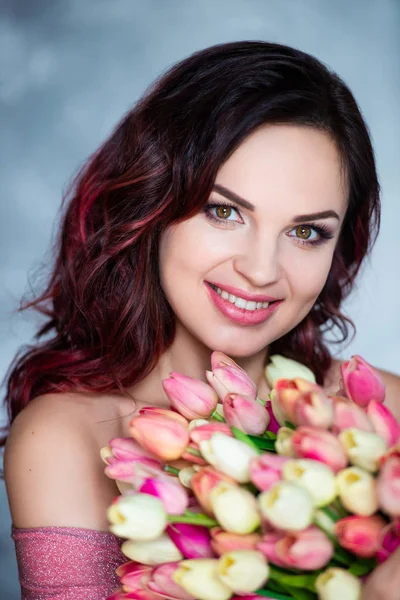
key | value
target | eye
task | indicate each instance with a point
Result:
(220, 213)
(310, 234)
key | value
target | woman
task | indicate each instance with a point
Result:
(231, 209)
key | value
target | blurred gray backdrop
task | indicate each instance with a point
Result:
(69, 69)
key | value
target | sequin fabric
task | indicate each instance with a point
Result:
(66, 563)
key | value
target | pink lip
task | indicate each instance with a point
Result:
(243, 294)
(241, 315)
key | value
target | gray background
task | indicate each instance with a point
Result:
(70, 69)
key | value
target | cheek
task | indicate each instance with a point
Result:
(307, 275)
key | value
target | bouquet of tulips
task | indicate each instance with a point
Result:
(228, 495)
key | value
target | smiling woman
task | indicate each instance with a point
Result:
(231, 210)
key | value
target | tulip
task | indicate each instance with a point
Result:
(286, 396)
(357, 491)
(223, 541)
(347, 414)
(155, 411)
(316, 477)
(203, 482)
(304, 402)
(319, 445)
(171, 493)
(154, 552)
(138, 594)
(276, 409)
(193, 541)
(385, 424)
(360, 535)
(133, 576)
(163, 584)
(363, 448)
(204, 432)
(284, 442)
(235, 508)
(287, 506)
(337, 583)
(388, 486)
(121, 455)
(192, 455)
(243, 571)
(138, 516)
(246, 414)
(274, 424)
(266, 470)
(281, 367)
(390, 541)
(191, 397)
(164, 436)
(307, 550)
(186, 473)
(219, 359)
(361, 381)
(199, 577)
(229, 455)
(231, 379)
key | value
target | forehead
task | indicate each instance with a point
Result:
(287, 165)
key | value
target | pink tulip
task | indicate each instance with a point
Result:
(388, 485)
(390, 540)
(163, 412)
(162, 583)
(360, 535)
(133, 576)
(361, 381)
(224, 541)
(304, 402)
(321, 445)
(191, 397)
(171, 493)
(122, 454)
(192, 455)
(246, 414)
(204, 482)
(120, 594)
(385, 424)
(347, 414)
(193, 541)
(231, 380)
(164, 436)
(266, 470)
(309, 549)
(219, 359)
(204, 432)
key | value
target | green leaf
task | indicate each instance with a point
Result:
(301, 594)
(193, 519)
(362, 567)
(243, 437)
(263, 443)
(272, 594)
(289, 425)
(302, 581)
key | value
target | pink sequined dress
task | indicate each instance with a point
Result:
(67, 563)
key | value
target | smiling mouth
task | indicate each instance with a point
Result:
(248, 305)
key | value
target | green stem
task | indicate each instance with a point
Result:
(263, 443)
(172, 470)
(192, 451)
(271, 594)
(247, 439)
(193, 519)
(217, 417)
(330, 513)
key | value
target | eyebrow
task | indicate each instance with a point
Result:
(325, 214)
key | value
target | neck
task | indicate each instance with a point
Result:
(189, 356)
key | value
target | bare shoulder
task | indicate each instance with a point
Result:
(53, 471)
(391, 381)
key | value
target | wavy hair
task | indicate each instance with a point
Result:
(107, 320)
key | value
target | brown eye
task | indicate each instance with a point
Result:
(223, 212)
(303, 232)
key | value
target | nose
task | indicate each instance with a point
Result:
(258, 261)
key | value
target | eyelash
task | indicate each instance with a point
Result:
(322, 230)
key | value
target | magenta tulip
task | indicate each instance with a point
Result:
(266, 470)
(273, 423)
(360, 535)
(193, 541)
(321, 445)
(245, 414)
(385, 424)
(191, 397)
(361, 381)
(171, 493)
(390, 541)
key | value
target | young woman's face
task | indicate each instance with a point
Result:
(269, 230)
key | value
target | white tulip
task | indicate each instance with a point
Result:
(235, 508)
(199, 578)
(155, 552)
(197, 423)
(186, 473)
(337, 583)
(363, 448)
(138, 516)
(280, 367)
(287, 506)
(243, 571)
(316, 477)
(283, 444)
(357, 491)
(229, 455)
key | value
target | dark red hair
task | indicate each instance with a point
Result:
(107, 320)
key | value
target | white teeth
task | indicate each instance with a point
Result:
(241, 302)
